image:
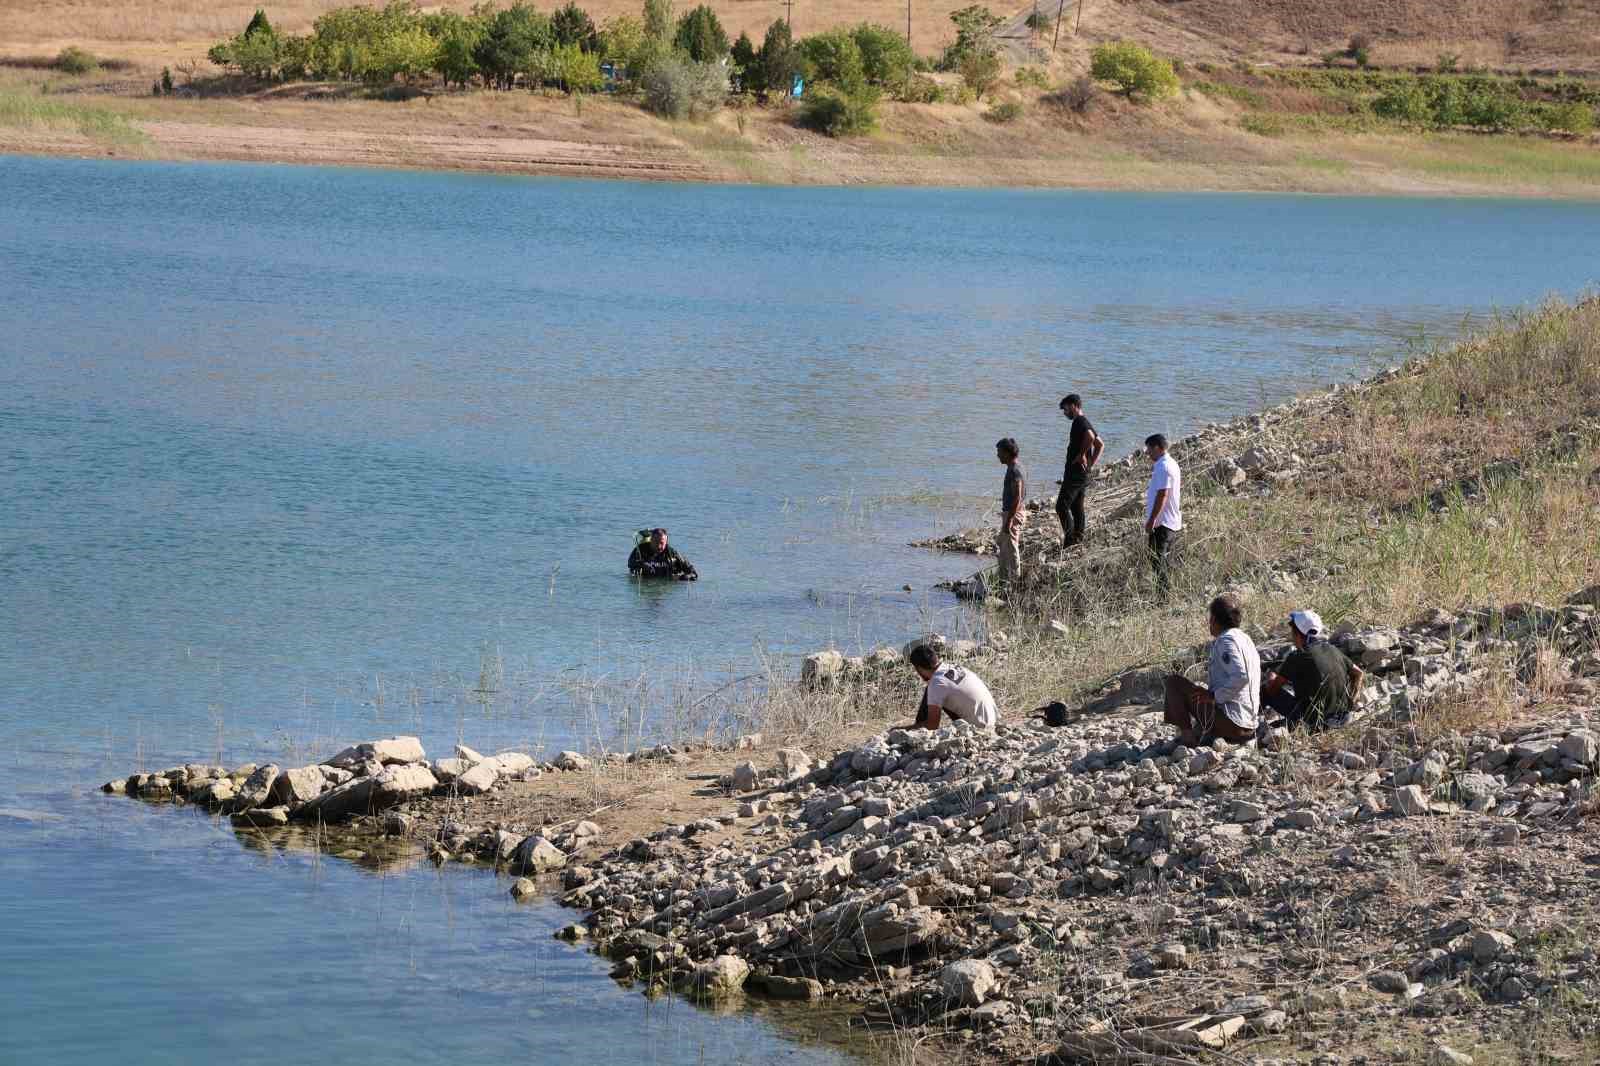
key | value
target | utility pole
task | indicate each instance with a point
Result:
(789, 18)
(908, 21)
(1079, 24)
(1060, 7)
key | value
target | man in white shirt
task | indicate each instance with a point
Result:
(1229, 706)
(1163, 510)
(953, 691)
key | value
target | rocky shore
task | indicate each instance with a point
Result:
(1131, 895)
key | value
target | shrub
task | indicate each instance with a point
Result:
(975, 26)
(1573, 117)
(920, 89)
(166, 81)
(1135, 69)
(1032, 78)
(980, 69)
(676, 87)
(701, 36)
(835, 57)
(1496, 111)
(1004, 111)
(841, 114)
(576, 70)
(408, 52)
(1078, 96)
(74, 60)
(1447, 63)
(1406, 102)
(509, 43)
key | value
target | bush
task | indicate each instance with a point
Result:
(1496, 111)
(1407, 102)
(1447, 63)
(779, 60)
(74, 60)
(408, 52)
(886, 57)
(1572, 117)
(835, 57)
(1006, 111)
(980, 70)
(1031, 78)
(572, 25)
(576, 70)
(920, 89)
(841, 114)
(975, 26)
(676, 87)
(510, 42)
(1078, 96)
(1135, 69)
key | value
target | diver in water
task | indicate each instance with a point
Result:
(653, 558)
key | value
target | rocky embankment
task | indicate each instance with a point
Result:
(1097, 885)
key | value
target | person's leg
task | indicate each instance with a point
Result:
(1160, 561)
(1182, 702)
(1064, 513)
(1080, 525)
(1009, 550)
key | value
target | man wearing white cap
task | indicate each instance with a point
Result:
(1317, 684)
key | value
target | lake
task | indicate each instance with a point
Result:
(293, 457)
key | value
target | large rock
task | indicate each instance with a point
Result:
(291, 788)
(368, 795)
(821, 669)
(510, 763)
(571, 760)
(478, 780)
(1581, 747)
(447, 770)
(967, 982)
(903, 931)
(1227, 473)
(721, 978)
(779, 987)
(261, 818)
(745, 777)
(793, 763)
(257, 788)
(389, 751)
(536, 855)
(1408, 802)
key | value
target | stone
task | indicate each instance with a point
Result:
(115, 787)
(1490, 944)
(510, 763)
(571, 933)
(477, 780)
(821, 669)
(389, 751)
(396, 824)
(256, 791)
(802, 988)
(447, 770)
(1444, 1055)
(1580, 747)
(291, 788)
(522, 888)
(218, 793)
(369, 795)
(745, 777)
(571, 761)
(967, 982)
(721, 978)
(1390, 982)
(1244, 811)
(793, 763)
(536, 855)
(261, 818)
(1253, 460)
(1408, 802)
(1171, 955)
(1227, 473)
(467, 755)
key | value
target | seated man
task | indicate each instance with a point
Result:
(1230, 704)
(653, 558)
(952, 690)
(1316, 684)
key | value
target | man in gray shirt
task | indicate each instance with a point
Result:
(1229, 706)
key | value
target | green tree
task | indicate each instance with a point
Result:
(658, 20)
(621, 37)
(1572, 116)
(508, 47)
(1133, 68)
(677, 87)
(258, 21)
(408, 52)
(746, 64)
(975, 26)
(780, 60)
(577, 70)
(572, 25)
(835, 58)
(980, 69)
(886, 57)
(841, 114)
(1406, 101)
(700, 34)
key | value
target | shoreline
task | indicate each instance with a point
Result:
(1413, 877)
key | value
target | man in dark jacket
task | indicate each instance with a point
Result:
(1316, 684)
(1083, 451)
(653, 558)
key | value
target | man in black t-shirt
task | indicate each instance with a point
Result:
(1316, 684)
(1083, 451)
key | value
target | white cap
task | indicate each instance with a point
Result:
(1309, 623)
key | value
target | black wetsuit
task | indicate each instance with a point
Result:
(647, 562)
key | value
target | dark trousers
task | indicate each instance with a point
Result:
(1159, 542)
(1069, 508)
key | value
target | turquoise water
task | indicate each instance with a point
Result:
(292, 457)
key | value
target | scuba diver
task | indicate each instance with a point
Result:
(653, 558)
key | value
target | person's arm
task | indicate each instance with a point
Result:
(1155, 510)
(1356, 675)
(935, 715)
(1014, 519)
(1092, 456)
(635, 562)
(1272, 684)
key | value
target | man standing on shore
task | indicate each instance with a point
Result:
(1163, 510)
(1013, 498)
(1083, 451)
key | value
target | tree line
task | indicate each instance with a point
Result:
(680, 65)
